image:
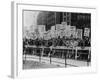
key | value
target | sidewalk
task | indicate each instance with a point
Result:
(55, 62)
(31, 64)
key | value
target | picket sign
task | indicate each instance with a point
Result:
(79, 33)
(86, 32)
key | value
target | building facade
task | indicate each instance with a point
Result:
(52, 18)
(49, 18)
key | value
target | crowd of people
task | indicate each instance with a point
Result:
(58, 42)
(65, 42)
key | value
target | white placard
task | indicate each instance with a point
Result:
(64, 23)
(47, 35)
(53, 28)
(61, 33)
(73, 31)
(59, 27)
(79, 33)
(67, 31)
(41, 29)
(86, 32)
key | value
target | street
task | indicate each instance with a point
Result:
(35, 62)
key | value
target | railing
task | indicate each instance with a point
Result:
(64, 51)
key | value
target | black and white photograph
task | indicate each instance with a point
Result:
(54, 39)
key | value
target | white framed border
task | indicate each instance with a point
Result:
(16, 55)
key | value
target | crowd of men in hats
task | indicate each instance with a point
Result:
(54, 42)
